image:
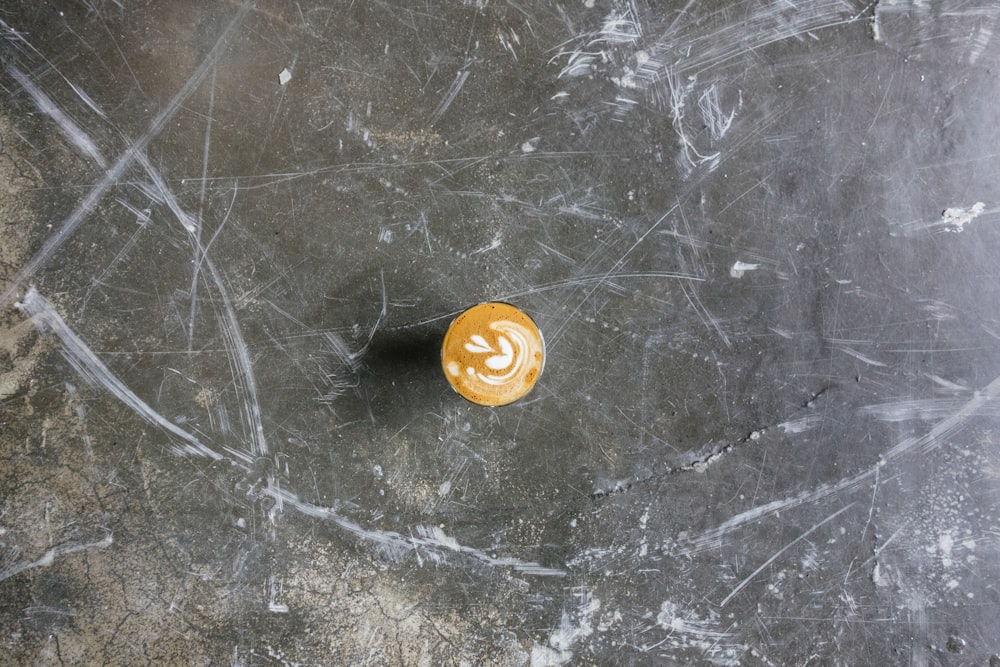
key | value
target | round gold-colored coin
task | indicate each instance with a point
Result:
(493, 354)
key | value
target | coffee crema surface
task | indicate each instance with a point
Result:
(493, 354)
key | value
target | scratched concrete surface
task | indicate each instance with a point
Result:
(759, 236)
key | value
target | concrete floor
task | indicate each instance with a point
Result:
(760, 239)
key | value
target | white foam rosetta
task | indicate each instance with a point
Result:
(507, 358)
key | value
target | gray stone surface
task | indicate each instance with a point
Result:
(760, 238)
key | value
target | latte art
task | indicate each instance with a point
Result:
(493, 354)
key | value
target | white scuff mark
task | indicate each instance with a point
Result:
(939, 310)
(948, 426)
(592, 555)
(14, 35)
(876, 25)
(423, 226)
(572, 628)
(161, 193)
(739, 268)
(342, 351)
(716, 120)
(142, 216)
(623, 105)
(275, 589)
(953, 219)
(383, 313)
(81, 415)
(692, 45)
(544, 656)
(877, 577)
(50, 556)
(946, 384)
(957, 29)
(354, 126)
(222, 417)
(578, 63)
(922, 409)
(621, 27)
(810, 560)
(956, 218)
(284, 77)
(644, 537)
(492, 245)
(980, 42)
(239, 352)
(944, 546)
(686, 630)
(709, 320)
(609, 619)
(530, 145)
(509, 42)
(87, 100)
(688, 157)
(274, 654)
(66, 125)
(802, 425)
(456, 86)
(627, 80)
(916, 605)
(860, 357)
(430, 540)
(90, 367)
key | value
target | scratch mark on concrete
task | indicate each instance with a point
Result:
(934, 438)
(199, 221)
(947, 426)
(50, 556)
(860, 357)
(45, 317)
(67, 125)
(602, 279)
(236, 344)
(802, 425)
(115, 172)
(431, 540)
(451, 94)
(740, 586)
